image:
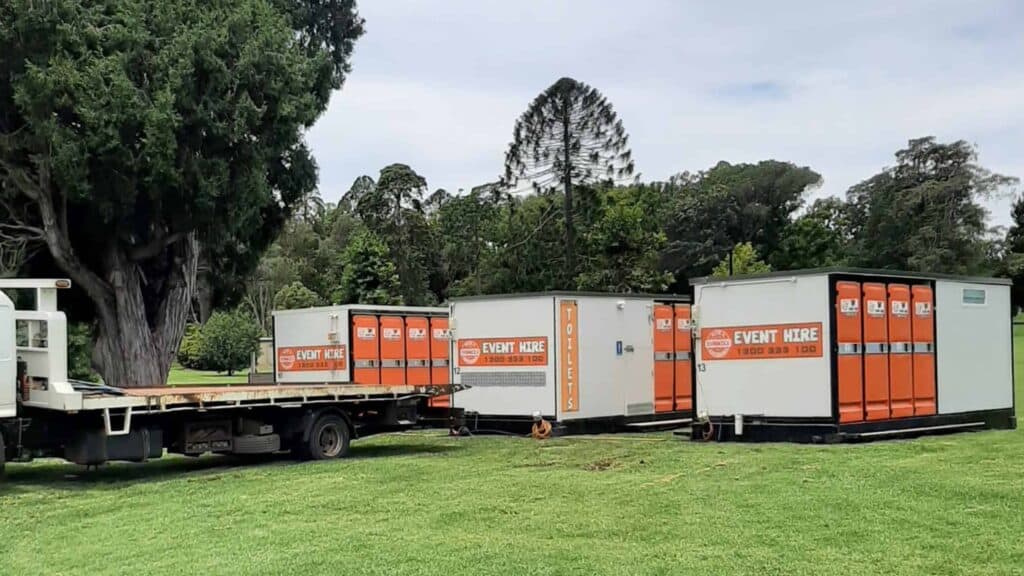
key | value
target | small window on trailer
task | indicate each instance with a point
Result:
(973, 297)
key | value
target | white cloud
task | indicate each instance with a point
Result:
(836, 86)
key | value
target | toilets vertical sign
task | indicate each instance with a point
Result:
(568, 337)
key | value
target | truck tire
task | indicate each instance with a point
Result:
(328, 438)
(3, 454)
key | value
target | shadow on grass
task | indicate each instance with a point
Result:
(60, 475)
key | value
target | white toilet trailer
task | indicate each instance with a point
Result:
(834, 354)
(586, 361)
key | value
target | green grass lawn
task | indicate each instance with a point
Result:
(183, 376)
(631, 504)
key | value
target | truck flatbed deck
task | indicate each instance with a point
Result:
(169, 398)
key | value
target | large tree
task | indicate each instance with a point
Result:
(816, 238)
(925, 213)
(393, 208)
(569, 135)
(135, 134)
(622, 246)
(730, 204)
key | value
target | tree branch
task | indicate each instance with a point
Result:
(56, 240)
(154, 247)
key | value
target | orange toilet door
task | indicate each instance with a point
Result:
(392, 351)
(901, 369)
(849, 356)
(923, 332)
(440, 374)
(663, 351)
(876, 357)
(365, 350)
(417, 351)
(683, 358)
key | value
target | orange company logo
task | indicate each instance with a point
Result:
(286, 359)
(417, 334)
(392, 334)
(717, 343)
(365, 333)
(469, 351)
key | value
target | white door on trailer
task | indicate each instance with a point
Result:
(8, 360)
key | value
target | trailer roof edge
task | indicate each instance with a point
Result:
(854, 272)
(571, 294)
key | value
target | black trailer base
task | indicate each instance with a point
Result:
(826, 431)
(508, 424)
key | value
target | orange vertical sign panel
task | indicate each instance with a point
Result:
(683, 358)
(440, 344)
(849, 359)
(365, 350)
(923, 332)
(876, 358)
(392, 351)
(569, 355)
(901, 369)
(417, 351)
(664, 347)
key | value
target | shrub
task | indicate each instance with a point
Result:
(228, 341)
(190, 351)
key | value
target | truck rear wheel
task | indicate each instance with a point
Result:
(328, 438)
(3, 454)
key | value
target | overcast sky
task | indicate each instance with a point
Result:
(837, 86)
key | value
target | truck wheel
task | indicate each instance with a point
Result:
(328, 438)
(3, 454)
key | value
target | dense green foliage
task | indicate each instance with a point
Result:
(228, 341)
(80, 352)
(648, 237)
(294, 296)
(744, 261)
(369, 276)
(924, 213)
(190, 353)
(138, 137)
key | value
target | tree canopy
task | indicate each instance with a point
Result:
(568, 136)
(138, 135)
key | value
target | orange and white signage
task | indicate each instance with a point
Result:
(311, 358)
(569, 372)
(532, 351)
(801, 340)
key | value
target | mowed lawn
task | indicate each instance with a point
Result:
(183, 377)
(633, 504)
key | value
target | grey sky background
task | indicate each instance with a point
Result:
(837, 86)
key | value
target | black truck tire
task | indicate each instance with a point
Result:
(3, 454)
(329, 437)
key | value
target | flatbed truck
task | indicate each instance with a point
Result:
(43, 413)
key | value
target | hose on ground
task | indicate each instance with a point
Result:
(541, 430)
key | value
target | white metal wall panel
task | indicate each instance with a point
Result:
(8, 361)
(974, 363)
(779, 387)
(312, 328)
(505, 390)
(609, 380)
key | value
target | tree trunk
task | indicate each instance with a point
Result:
(570, 234)
(136, 344)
